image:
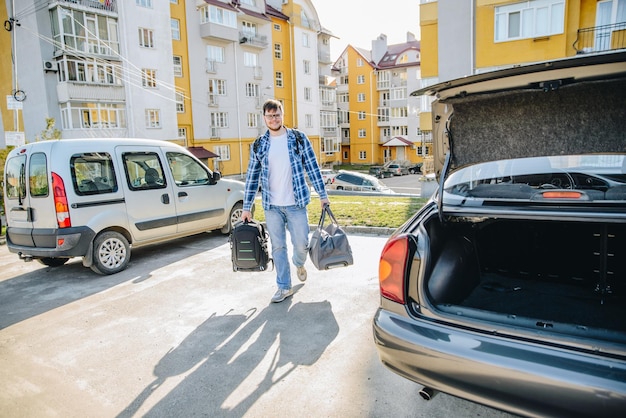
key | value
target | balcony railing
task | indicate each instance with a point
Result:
(601, 38)
(108, 5)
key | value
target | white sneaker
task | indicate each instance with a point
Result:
(281, 294)
(301, 273)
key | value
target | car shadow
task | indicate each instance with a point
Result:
(234, 359)
(41, 290)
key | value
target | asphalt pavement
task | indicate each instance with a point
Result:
(179, 334)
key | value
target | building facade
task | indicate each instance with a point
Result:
(195, 72)
(465, 38)
(378, 119)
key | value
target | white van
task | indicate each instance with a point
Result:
(94, 198)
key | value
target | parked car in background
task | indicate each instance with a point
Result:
(397, 169)
(508, 287)
(415, 168)
(379, 171)
(355, 181)
(328, 175)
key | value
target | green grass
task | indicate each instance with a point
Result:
(373, 211)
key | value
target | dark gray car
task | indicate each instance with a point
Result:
(508, 288)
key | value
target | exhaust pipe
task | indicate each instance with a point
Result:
(427, 393)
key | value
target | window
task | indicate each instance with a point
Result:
(360, 97)
(178, 65)
(398, 94)
(307, 94)
(278, 51)
(215, 53)
(248, 29)
(84, 32)
(90, 115)
(305, 40)
(146, 38)
(92, 173)
(144, 3)
(175, 24)
(361, 115)
(89, 71)
(217, 87)
(362, 155)
(148, 78)
(252, 90)
(250, 59)
(153, 118)
(219, 120)
(307, 67)
(180, 102)
(182, 133)
(529, 19)
(308, 120)
(223, 151)
(328, 120)
(383, 114)
(278, 79)
(399, 112)
(362, 133)
(360, 79)
(343, 98)
(38, 175)
(277, 27)
(144, 171)
(253, 120)
(359, 62)
(214, 14)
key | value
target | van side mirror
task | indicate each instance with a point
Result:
(215, 177)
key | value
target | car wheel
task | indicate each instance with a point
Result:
(234, 217)
(52, 262)
(339, 187)
(111, 253)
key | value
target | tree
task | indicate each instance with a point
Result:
(50, 132)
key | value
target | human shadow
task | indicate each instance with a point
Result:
(226, 350)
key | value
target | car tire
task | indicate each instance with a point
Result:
(52, 261)
(233, 217)
(111, 253)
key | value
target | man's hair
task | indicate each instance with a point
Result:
(272, 104)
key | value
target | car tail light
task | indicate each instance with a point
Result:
(61, 207)
(393, 267)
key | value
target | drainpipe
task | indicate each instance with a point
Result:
(238, 118)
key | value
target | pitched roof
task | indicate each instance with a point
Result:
(202, 153)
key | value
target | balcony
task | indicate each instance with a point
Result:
(250, 39)
(601, 38)
(213, 31)
(106, 5)
(72, 91)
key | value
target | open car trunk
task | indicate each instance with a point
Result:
(564, 279)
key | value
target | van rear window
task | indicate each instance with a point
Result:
(93, 173)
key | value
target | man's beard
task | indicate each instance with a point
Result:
(275, 129)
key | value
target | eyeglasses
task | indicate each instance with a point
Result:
(274, 116)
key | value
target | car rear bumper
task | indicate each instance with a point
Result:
(53, 243)
(512, 375)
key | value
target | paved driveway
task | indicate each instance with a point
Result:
(178, 334)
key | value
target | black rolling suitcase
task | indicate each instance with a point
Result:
(249, 246)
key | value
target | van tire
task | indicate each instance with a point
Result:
(52, 261)
(233, 217)
(111, 253)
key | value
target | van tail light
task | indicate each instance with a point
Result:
(61, 207)
(392, 268)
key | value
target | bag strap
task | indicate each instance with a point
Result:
(326, 210)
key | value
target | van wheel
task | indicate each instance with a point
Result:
(111, 253)
(234, 217)
(52, 261)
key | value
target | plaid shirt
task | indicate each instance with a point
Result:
(302, 157)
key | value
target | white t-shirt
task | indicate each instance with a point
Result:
(280, 175)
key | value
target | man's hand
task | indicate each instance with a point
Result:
(246, 216)
(324, 202)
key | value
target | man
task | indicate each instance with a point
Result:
(278, 160)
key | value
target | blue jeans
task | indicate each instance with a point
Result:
(279, 220)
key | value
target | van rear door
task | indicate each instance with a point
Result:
(149, 197)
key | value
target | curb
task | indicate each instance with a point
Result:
(365, 230)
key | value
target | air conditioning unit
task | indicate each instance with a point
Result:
(49, 66)
(243, 40)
